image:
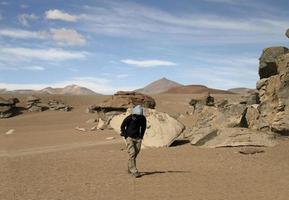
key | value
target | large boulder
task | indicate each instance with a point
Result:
(233, 137)
(162, 129)
(274, 97)
(267, 61)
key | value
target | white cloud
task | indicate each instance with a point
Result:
(35, 68)
(147, 63)
(60, 15)
(65, 36)
(23, 34)
(25, 18)
(11, 53)
(99, 85)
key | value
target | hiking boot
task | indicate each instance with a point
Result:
(136, 175)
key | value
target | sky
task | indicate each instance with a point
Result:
(111, 45)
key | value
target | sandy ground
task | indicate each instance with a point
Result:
(46, 158)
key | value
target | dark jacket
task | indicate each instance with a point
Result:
(134, 126)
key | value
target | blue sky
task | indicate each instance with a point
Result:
(110, 45)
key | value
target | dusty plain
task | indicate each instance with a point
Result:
(46, 158)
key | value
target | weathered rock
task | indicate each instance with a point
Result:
(210, 101)
(32, 98)
(233, 137)
(7, 108)
(267, 61)
(162, 129)
(121, 101)
(274, 97)
(250, 99)
(56, 105)
(251, 117)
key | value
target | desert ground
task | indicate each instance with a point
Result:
(46, 158)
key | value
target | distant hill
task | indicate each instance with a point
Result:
(159, 86)
(196, 89)
(242, 90)
(67, 90)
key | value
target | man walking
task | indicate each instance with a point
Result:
(133, 128)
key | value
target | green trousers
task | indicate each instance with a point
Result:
(133, 148)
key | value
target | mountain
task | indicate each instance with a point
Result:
(242, 90)
(159, 86)
(68, 90)
(196, 89)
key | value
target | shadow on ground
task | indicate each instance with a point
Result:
(179, 143)
(162, 172)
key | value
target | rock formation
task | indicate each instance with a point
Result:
(56, 105)
(287, 33)
(162, 130)
(256, 119)
(7, 107)
(274, 93)
(34, 104)
(121, 101)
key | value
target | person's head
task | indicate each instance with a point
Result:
(137, 110)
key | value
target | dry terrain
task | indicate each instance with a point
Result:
(46, 158)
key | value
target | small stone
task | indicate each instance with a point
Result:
(10, 132)
(80, 129)
(109, 138)
(93, 128)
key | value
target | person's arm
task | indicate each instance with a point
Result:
(124, 126)
(143, 127)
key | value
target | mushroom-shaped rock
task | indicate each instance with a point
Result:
(122, 100)
(162, 129)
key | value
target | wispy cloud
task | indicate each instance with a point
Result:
(23, 34)
(60, 15)
(148, 63)
(10, 53)
(25, 18)
(141, 21)
(65, 36)
(34, 68)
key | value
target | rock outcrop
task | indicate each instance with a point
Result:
(7, 107)
(162, 129)
(233, 137)
(287, 33)
(57, 105)
(121, 101)
(267, 61)
(34, 104)
(274, 95)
